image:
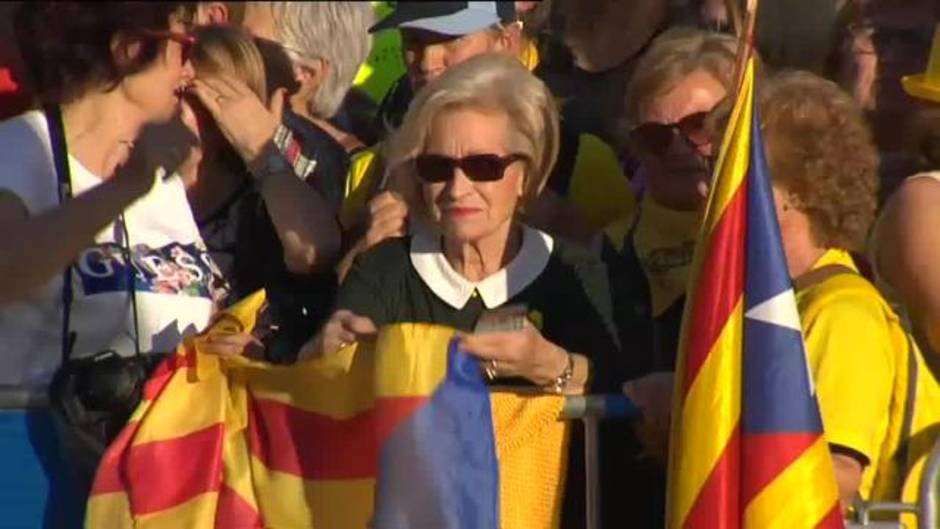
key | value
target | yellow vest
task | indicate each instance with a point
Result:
(384, 65)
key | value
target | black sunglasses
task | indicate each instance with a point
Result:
(185, 40)
(655, 138)
(436, 168)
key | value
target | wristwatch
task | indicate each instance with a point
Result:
(558, 385)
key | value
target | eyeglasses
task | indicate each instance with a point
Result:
(185, 41)
(655, 138)
(436, 168)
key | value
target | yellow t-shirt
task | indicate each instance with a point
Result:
(598, 186)
(362, 182)
(664, 241)
(861, 361)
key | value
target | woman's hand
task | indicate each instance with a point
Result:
(652, 394)
(243, 119)
(388, 217)
(344, 328)
(524, 353)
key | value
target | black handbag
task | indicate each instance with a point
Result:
(94, 396)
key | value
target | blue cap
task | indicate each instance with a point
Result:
(448, 18)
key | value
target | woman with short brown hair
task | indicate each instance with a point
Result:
(878, 401)
(821, 152)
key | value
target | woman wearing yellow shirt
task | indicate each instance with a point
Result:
(880, 405)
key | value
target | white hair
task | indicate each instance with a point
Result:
(336, 32)
(489, 82)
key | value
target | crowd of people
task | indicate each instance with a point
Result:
(162, 160)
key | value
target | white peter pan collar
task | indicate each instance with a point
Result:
(455, 290)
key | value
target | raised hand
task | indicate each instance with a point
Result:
(244, 120)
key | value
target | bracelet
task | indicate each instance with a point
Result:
(558, 385)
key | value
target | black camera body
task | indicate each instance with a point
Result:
(97, 394)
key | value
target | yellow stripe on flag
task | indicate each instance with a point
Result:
(709, 415)
(734, 157)
(236, 467)
(288, 500)
(188, 412)
(109, 510)
(421, 367)
(766, 510)
(332, 386)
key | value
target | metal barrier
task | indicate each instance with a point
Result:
(593, 408)
(925, 510)
(590, 409)
(15, 398)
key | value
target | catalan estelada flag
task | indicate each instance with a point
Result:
(402, 433)
(747, 446)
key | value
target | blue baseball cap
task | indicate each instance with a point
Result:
(448, 18)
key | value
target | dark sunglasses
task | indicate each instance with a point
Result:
(655, 138)
(185, 41)
(435, 168)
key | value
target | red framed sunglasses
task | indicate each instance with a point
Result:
(436, 168)
(655, 138)
(185, 40)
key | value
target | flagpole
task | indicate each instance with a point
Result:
(745, 42)
(734, 15)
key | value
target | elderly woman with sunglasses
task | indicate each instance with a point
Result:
(476, 147)
(679, 82)
(684, 75)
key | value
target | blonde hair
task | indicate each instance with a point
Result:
(493, 82)
(672, 57)
(229, 50)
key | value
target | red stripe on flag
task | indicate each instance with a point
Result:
(765, 456)
(233, 512)
(716, 506)
(169, 472)
(833, 520)
(720, 285)
(108, 476)
(315, 446)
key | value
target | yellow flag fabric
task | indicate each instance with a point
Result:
(235, 443)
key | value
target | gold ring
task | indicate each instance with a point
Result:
(491, 369)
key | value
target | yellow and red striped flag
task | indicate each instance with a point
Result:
(400, 433)
(747, 448)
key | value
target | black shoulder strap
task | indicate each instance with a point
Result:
(907, 426)
(64, 187)
(818, 275)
